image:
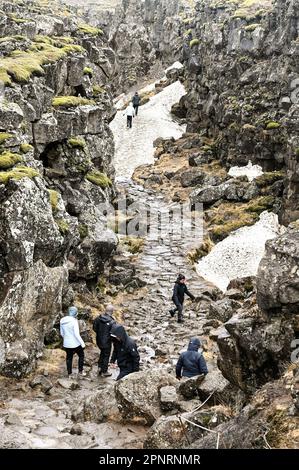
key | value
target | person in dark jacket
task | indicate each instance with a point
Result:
(125, 351)
(179, 291)
(102, 327)
(191, 363)
(136, 103)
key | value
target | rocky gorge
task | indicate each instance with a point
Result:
(65, 155)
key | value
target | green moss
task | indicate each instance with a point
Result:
(97, 90)
(21, 65)
(88, 71)
(17, 37)
(53, 199)
(9, 159)
(260, 204)
(83, 231)
(194, 42)
(70, 101)
(63, 226)
(26, 148)
(89, 30)
(135, 245)
(188, 32)
(77, 143)
(17, 174)
(272, 125)
(252, 27)
(100, 179)
(4, 136)
(269, 178)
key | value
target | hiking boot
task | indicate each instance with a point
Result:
(100, 372)
(82, 374)
(106, 374)
(71, 376)
(172, 313)
(181, 320)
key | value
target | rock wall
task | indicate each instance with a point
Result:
(56, 169)
(242, 76)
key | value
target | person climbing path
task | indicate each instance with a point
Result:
(72, 341)
(136, 102)
(130, 113)
(102, 327)
(125, 351)
(191, 363)
(179, 291)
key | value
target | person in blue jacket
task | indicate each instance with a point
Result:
(191, 362)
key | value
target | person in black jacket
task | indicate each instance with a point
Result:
(102, 327)
(179, 291)
(125, 351)
(136, 102)
(191, 363)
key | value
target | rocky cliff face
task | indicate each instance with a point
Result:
(55, 170)
(242, 63)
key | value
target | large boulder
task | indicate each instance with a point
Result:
(223, 309)
(174, 433)
(278, 275)
(97, 407)
(138, 395)
(252, 350)
(30, 302)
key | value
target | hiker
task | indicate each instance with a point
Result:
(125, 351)
(130, 113)
(179, 291)
(191, 362)
(102, 327)
(72, 341)
(136, 103)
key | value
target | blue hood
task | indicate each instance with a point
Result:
(194, 344)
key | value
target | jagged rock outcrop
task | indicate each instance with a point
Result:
(241, 60)
(56, 171)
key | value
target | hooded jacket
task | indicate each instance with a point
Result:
(125, 350)
(179, 292)
(130, 111)
(136, 100)
(102, 327)
(69, 330)
(192, 361)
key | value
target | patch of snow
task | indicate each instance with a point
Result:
(239, 255)
(251, 171)
(177, 65)
(134, 147)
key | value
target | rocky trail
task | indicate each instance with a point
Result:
(41, 421)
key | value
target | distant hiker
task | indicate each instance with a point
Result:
(136, 103)
(130, 113)
(102, 327)
(179, 291)
(125, 351)
(72, 341)
(191, 363)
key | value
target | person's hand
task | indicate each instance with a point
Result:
(112, 365)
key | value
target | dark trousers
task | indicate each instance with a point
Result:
(136, 107)
(179, 309)
(69, 358)
(123, 373)
(129, 121)
(104, 359)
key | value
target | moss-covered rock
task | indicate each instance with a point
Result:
(70, 101)
(4, 136)
(9, 159)
(100, 179)
(89, 30)
(17, 174)
(26, 148)
(53, 200)
(63, 226)
(77, 143)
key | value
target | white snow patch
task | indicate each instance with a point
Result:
(251, 171)
(177, 65)
(239, 255)
(134, 147)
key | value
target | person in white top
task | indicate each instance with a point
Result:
(130, 113)
(72, 341)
